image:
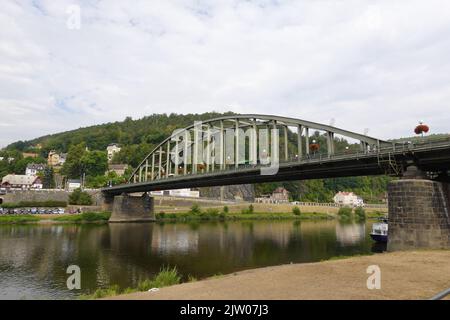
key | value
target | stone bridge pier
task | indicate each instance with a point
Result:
(130, 208)
(418, 213)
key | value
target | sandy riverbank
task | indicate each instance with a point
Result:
(404, 275)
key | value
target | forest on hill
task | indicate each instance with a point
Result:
(138, 137)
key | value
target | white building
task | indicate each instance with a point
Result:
(188, 193)
(111, 150)
(73, 184)
(348, 199)
(33, 169)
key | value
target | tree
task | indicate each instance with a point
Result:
(48, 178)
(296, 211)
(21, 164)
(81, 162)
(79, 197)
(73, 168)
(94, 163)
(105, 180)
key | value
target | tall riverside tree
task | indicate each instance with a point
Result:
(73, 167)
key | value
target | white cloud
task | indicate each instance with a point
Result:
(381, 65)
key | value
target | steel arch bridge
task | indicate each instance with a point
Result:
(254, 148)
(238, 141)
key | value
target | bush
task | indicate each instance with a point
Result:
(345, 213)
(296, 211)
(249, 210)
(195, 209)
(225, 210)
(212, 213)
(111, 291)
(166, 277)
(79, 197)
(160, 215)
(360, 213)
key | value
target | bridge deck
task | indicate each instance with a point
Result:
(430, 156)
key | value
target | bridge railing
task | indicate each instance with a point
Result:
(395, 148)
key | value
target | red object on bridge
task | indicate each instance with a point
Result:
(314, 147)
(421, 128)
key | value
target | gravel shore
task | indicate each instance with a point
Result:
(404, 275)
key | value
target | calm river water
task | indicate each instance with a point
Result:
(34, 258)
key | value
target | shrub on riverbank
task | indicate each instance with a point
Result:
(35, 204)
(211, 213)
(166, 277)
(345, 213)
(195, 209)
(248, 210)
(360, 214)
(296, 211)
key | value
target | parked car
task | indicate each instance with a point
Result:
(41, 211)
(34, 210)
(61, 210)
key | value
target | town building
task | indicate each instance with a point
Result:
(17, 181)
(119, 169)
(73, 184)
(30, 155)
(279, 195)
(56, 159)
(34, 168)
(112, 149)
(348, 199)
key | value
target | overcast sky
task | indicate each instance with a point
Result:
(381, 65)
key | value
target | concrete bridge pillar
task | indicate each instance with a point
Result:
(127, 208)
(418, 214)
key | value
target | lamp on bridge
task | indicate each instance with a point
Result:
(421, 128)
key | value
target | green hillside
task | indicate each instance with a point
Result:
(138, 137)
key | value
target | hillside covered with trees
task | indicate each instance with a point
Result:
(86, 153)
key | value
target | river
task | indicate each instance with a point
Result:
(34, 258)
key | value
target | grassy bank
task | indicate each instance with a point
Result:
(23, 218)
(93, 217)
(166, 277)
(208, 216)
(248, 213)
(84, 217)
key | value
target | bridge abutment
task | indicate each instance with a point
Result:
(127, 208)
(418, 214)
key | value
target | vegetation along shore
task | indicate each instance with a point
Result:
(197, 214)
